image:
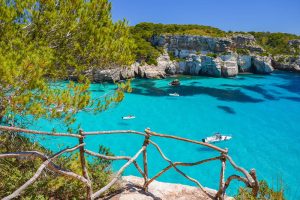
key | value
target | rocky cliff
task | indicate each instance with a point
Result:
(206, 56)
(131, 189)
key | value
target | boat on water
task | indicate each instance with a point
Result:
(128, 117)
(175, 94)
(216, 138)
(175, 82)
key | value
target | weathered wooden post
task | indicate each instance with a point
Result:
(89, 191)
(221, 193)
(255, 188)
(145, 159)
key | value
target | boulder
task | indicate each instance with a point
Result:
(127, 73)
(244, 63)
(193, 65)
(106, 75)
(131, 189)
(229, 65)
(165, 64)
(153, 72)
(287, 63)
(211, 66)
(262, 64)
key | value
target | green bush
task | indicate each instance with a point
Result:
(265, 193)
(275, 43)
(242, 51)
(15, 172)
(213, 55)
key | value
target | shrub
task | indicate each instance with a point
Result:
(264, 193)
(14, 172)
(213, 55)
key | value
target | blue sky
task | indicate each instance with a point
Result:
(235, 15)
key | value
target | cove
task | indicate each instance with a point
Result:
(262, 114)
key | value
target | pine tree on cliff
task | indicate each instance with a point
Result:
(44, 41)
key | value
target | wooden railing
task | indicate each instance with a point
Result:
(249, 178)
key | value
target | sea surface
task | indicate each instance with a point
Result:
(260, 112)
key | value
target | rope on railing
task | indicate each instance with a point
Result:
(250, 178)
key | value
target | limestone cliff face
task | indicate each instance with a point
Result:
(183, 45)
(196, 58)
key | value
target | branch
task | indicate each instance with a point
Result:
(181, 164)
(38, 172)
(179, 171)
(113, 132)
(115, 158)
(99, 192)
(187, 140)
(52, 166)
(15, 129)
(248, 176)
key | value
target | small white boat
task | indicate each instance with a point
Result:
(216, 138)
(175, 94)
(128, 117)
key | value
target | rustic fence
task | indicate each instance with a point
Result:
(249, 178)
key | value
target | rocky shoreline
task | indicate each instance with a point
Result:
(203, 56)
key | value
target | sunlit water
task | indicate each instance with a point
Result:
(262, 113)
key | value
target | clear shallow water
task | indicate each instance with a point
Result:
(262, 113)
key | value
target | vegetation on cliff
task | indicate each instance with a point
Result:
(273, 43)
(276, 43)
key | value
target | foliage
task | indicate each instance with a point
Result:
(14, 172)
(275, 43)
(149, 29)
(242, 51)
(265, 193)
(213, 55)
(45, 41)
(144, 32)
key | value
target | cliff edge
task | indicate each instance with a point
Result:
(131, 189)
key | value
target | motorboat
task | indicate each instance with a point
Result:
(175, 94)
(217, 137)
(175, 82)
(128, 117)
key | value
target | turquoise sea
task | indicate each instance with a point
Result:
(262, 113)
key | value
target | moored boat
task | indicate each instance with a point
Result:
(216, 138)
(175, 82)
(128, 117)
(175, 94)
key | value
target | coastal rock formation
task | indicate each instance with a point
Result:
(109, 75)
(201, 65)
(246, 41)
(211, 66)
(183, 45)
(229, 65)
(287, 63)
(244, 63)
(132, 190)
(294, 45)
(262, 64)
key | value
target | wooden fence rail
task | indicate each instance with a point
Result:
(249, 178)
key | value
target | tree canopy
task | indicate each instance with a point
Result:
(45, 41)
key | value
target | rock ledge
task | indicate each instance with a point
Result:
(132, 190)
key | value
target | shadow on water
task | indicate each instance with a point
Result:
(227, 109)
(123, 124)
(221, 94)
(293, 81)
(254, 88)
(205, 149)
(297, 99)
